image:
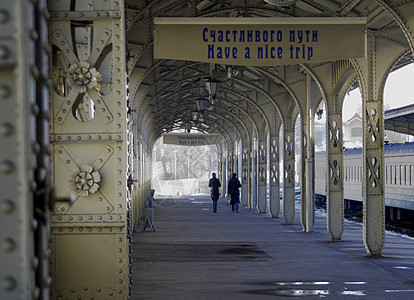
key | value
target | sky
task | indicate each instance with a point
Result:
(399, 91)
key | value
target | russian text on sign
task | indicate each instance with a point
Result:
(260, 41)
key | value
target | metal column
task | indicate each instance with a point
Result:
(262, 193)
(253, 176)
(289, 174)
(24, 152)
(245, 177)
(274, 177)
(90, 236)
(309, 198)
(334, 177)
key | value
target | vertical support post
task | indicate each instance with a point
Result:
(135, 174)
(262, 193)
(222, 172)
(303, 167)
(309, 158)
(90, 238)
(230, 166)
(253, 157)
(245, 190)
(373, 158)
(334, 177)
(24, 161)
(274, 177)
(289, 174)
(140, 175)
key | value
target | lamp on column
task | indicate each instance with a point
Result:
(188, 125)
(212, 87)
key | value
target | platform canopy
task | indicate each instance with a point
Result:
(400, 119)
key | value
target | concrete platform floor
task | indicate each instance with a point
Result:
(196, 254)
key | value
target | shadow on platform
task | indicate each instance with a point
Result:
(198, 254)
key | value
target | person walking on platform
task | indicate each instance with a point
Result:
(214, 184)
(233, 190)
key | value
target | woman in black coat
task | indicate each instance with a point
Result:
(233, 190)
(214, 184)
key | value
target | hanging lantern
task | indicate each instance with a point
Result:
(188, 125)
(212, 87)
(201, 104)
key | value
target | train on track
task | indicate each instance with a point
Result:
(399, 183)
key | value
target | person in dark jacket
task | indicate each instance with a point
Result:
(214, 184)
(233, 190)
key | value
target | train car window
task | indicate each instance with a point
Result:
(391, 177)
(412, 174)
(386, 174)
(397, 175)
(403, 173)
(346, 173)
(353, 174)
(357, 174)
(348, 177)
(407, 175)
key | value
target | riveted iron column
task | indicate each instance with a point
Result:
(245, 178)
(230, 160)
(262, 193)
(89, 134)
(43, 201)
(139, 174)
(373, 185)
(24, 151)
(274, 196)
(373, 161)
(307, 181)
(222, 171)
(134, 177)
(289, 175)
(372, 72)
(253, 176)
(334, 177)
(303, 171)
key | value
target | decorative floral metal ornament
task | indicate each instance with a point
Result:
(82, 77)
(85, 180)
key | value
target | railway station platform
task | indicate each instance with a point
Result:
(197, 254)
